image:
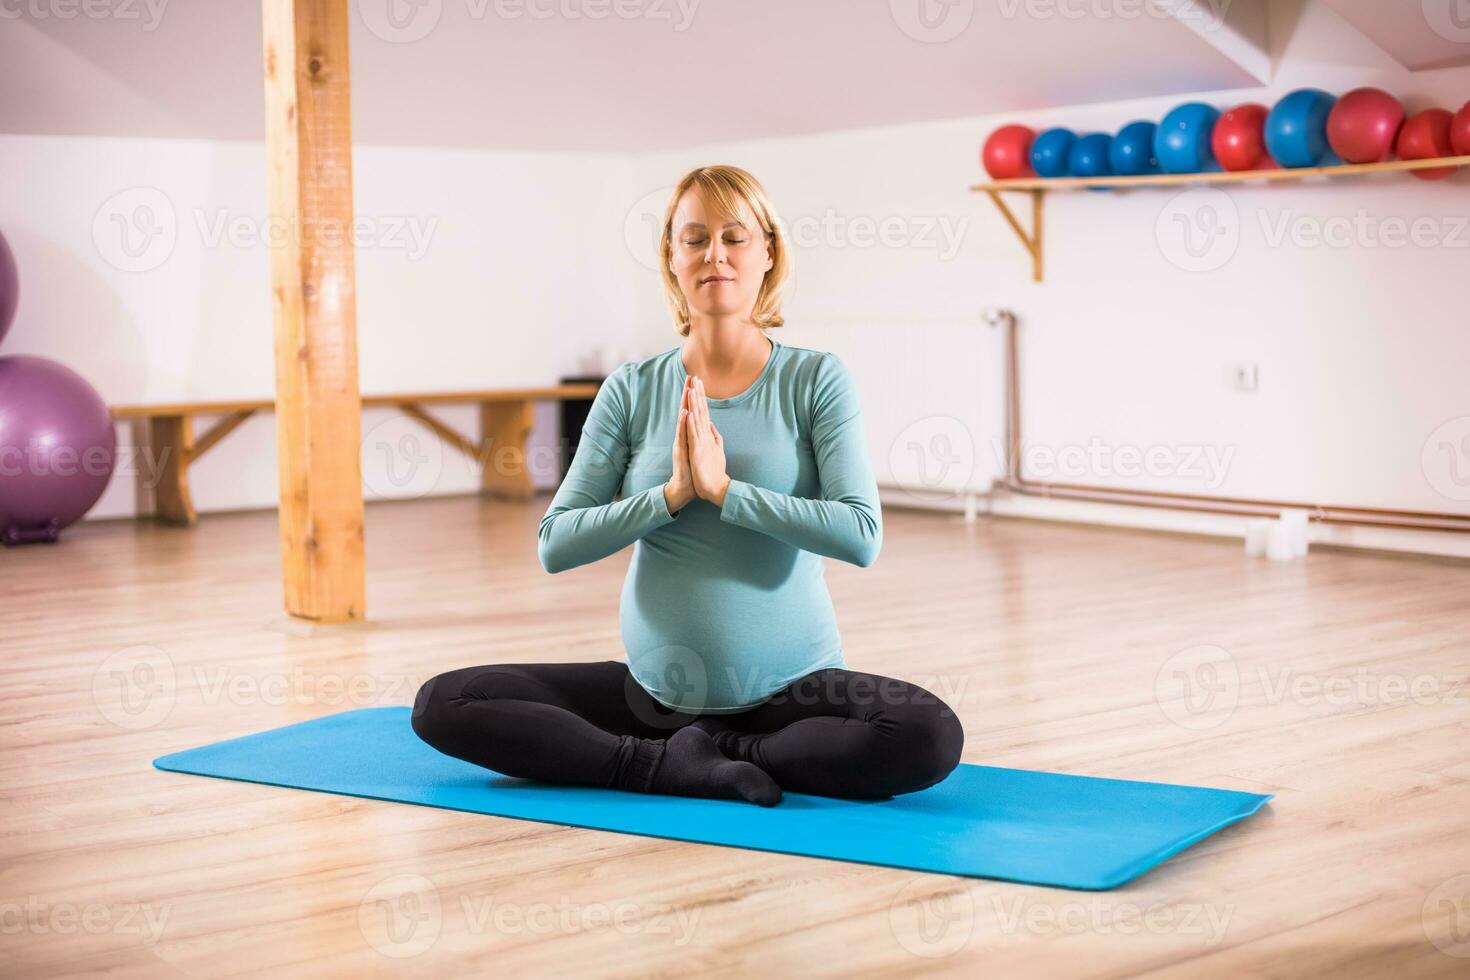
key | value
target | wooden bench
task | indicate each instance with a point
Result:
(505, 424)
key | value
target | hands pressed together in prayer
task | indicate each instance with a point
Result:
(699, 453)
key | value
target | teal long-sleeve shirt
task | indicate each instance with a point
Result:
(723, 606)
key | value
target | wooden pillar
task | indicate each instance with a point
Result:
(318, 405)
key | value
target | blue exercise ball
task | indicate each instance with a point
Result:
(1296, 128)
(1089, 156)
(1182, 141)
(1050, 150)
(1132, 150)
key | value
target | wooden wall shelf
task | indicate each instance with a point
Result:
(1036, 187)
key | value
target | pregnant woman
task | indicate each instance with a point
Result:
(740, 462)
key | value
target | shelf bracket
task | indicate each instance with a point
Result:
(1031, 241)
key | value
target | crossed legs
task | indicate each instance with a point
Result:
(834, 732)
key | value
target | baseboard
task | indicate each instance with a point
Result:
(1337, 537)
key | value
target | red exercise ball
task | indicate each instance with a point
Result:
(1364, 124)
(1426, 135)
(1239, 139)
(1007, 153)
(1460, 131)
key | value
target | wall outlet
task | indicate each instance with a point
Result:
(1247, 377)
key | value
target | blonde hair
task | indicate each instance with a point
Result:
(725, 189)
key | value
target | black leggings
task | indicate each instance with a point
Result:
(833, 732)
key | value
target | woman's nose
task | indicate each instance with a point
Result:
(715, 254)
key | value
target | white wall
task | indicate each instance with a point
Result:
(474, 269)
(1362, 345)
(523, 262)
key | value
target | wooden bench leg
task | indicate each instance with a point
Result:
(172, 439)
(505, 426)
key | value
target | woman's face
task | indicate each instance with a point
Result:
(720, 261)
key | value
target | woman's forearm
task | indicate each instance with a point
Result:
(849, 529)
(570, 536)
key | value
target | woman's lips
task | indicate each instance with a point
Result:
(714, 282)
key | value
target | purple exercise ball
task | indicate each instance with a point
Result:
(57, 445)
(9, 286)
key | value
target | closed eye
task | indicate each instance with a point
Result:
(691, 242)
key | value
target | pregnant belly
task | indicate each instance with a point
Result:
(710, 640)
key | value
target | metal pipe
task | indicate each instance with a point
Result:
(1324, 513)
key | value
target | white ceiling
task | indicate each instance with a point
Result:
(1424, 34)
(737, 69)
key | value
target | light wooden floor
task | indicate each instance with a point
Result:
(1063, 648)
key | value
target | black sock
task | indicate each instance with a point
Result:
(692, 765)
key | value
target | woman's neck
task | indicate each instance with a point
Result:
(726, 353)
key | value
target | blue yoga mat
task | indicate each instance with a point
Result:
(1015, 824)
